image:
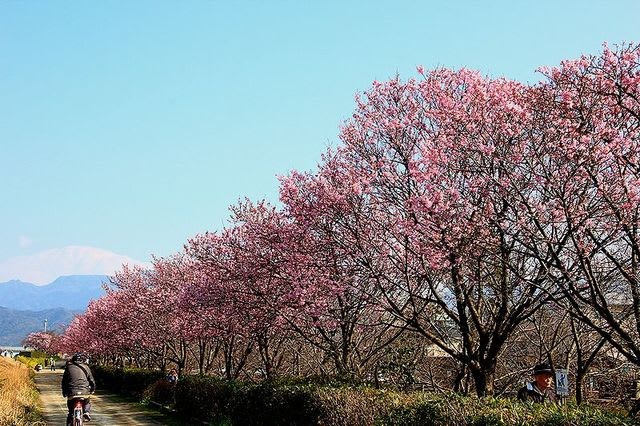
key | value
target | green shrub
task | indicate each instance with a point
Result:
(451, 409)
(270, 403)
(281, 402)
(39, 354)
(348, 406)
(30, 362)
(316, 401)
(421, 413)
(129, 381)
(161, 391)
(203, 397)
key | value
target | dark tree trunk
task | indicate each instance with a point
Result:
(483, 378)
(580, 375)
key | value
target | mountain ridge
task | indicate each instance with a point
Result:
(24, 306)
(71, 292)
(15, 325)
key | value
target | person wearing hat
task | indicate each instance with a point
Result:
(540, 390)
(77, 380)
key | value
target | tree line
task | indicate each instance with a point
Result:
(460, 215)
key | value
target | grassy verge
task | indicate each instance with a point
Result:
(31, 362)
(148, 409)
(19, 400)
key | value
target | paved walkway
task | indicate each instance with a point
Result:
(106, 408)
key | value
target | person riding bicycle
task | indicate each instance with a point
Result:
(77, 380)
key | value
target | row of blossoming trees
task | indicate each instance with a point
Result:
(455, 210)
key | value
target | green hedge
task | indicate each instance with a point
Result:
(160, 391)
(457, 410)
(129, 381)
(203, 397)
(268, 404)
(300, 403)
(334, 402)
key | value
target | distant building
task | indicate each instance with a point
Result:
(13, 351)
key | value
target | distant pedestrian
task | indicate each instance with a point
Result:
(172, 377)
(540, 390)
(52, 364)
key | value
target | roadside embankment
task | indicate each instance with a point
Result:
(19, 400)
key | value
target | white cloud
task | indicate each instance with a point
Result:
(24, 241)
(44, 267)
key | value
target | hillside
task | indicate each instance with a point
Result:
(71, 292)
(25, 306)
(15, 325)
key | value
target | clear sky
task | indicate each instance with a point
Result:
(131, 126)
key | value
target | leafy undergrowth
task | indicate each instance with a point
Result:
(31, 362)
(290, 401)
(451, 409)
(19, 400)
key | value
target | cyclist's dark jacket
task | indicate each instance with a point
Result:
(77, 379)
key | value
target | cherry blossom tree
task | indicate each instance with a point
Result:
(213, 294)
(246, 284)
(162, 325)
(435, 163)
(45, 342)
(349, 324)
(588, 168)
(456, 206)
(107, 328)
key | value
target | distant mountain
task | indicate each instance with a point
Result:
(43, 267)
(16, 325)
(71, 292)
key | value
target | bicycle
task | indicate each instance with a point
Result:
(78, 409)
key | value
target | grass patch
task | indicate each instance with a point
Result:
(19, 399)
(31, 362)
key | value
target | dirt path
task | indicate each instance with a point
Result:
(107, 409)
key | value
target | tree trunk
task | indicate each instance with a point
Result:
(580, 375)
(458, 385)
(263, 348)
(483, 378)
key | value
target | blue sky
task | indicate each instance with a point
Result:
(131, 126)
